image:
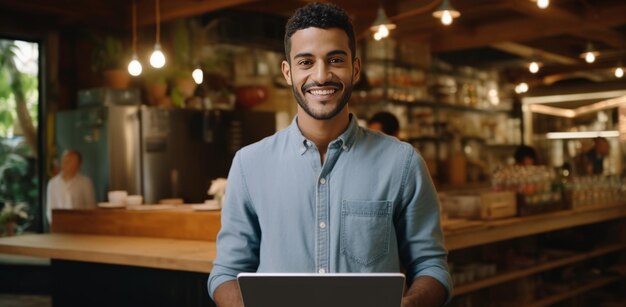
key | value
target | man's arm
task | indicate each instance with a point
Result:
(424, 292)
(228, 295)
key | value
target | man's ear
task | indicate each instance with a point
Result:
(286, 69)
(356, 71)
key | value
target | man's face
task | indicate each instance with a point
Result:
(321, 71)
(70, 163)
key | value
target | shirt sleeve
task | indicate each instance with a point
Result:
(50, 200)
(420, 237)
(240, 236)
(90, 194)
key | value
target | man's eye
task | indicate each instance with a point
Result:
(305, 62)
(336, 60)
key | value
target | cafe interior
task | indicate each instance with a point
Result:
(157, 96)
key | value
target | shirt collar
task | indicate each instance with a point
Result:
(345, 140)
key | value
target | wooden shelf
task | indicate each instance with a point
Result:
(553, 299)
(500, 230)
(508, 276)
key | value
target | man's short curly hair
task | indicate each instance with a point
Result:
(323, 16)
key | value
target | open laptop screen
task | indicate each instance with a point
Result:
(321, 290)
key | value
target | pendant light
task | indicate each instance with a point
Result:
(197, 75)
(590, 53)
(521, 88)
(157, 59)
(534, 64)
(446, 13)
(543, 4)
(134, 67)
(381, 25)
(619, 70)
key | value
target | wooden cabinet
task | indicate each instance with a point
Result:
(602, 248)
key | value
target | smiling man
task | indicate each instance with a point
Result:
(325, 195)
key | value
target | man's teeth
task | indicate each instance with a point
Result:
(322, 92)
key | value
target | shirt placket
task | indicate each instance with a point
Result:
(323, 209)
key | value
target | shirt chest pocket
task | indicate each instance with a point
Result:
(365, 230)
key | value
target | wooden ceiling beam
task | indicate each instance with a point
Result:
(529, 52)
(525, 29)
(181, 8)
(552, 12)
(610, 37)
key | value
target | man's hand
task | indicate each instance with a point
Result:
(228, 295)
(425, 292)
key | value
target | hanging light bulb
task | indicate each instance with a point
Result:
(446, 13)
(533, 67)
(619, 71)
(381, 25)
(157, 59)
(590, 53)
(197, 75)
(543, 4)
(134, 67)
(521, 88)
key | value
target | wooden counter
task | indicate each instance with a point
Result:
(499, 230)
(198, 255)
(171, 254)
(179, 223)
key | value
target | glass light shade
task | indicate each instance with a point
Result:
(590, 57)
(533, 67)
(157, 59)
(446, 18)
(619, 72)
(134, 67)
(446, 13)
(543, 4)
(521, 88)
(197, 75)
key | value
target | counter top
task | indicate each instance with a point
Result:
(179, 223)
(198, 255)
(172, 254)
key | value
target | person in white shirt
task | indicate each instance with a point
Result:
(70, 189)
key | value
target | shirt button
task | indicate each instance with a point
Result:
(345, 147)
(322, 271)
(323, 180)
(322, 225)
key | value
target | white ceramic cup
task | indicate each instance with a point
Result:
(117, 197)
(134, 200)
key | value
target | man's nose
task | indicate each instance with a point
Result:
(321, 74)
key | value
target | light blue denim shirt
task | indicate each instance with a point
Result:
(371, 207)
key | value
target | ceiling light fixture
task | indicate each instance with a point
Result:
(134, 67)
(543, 4)
(521, 88)
(534, 66)
(381, 25)
(619, 71)
(197, 75)
(157, 59)
(590, 53)
(446, 13)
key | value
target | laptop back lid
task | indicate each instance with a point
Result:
(321, 290)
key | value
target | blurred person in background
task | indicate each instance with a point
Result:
(69, 189)
(591, 162)
(385, 122)
(525, 156)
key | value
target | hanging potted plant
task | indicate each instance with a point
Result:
(107, 58)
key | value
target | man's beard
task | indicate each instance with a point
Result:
(343, 100)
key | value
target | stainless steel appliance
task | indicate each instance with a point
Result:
(159, 153)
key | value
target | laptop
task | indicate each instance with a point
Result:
(321, 290)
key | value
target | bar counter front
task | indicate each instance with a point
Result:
(121, 257)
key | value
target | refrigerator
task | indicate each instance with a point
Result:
(155, 152)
